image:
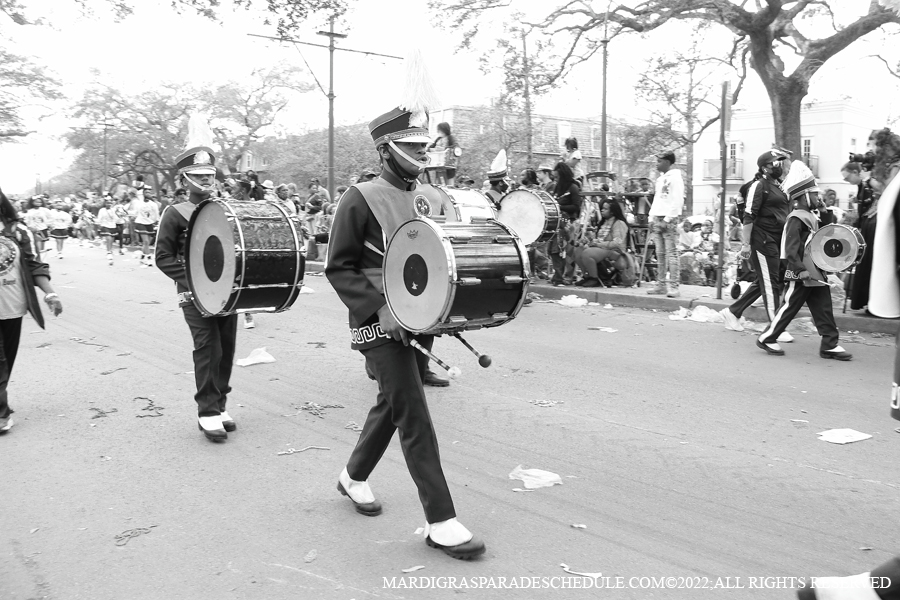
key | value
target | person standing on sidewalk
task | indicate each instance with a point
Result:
(667, 206)
(764, 217)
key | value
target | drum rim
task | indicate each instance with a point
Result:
(855, 233)
(459, 218)
(451, 273)
(526, 269)
(187, 248)
(546, 231)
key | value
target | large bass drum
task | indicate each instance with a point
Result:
(533, 214)
(835, 248)
(461, 205)
(455, 276)
(243, 257)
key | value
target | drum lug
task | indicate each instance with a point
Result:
(503, 239)
(478, 219)
(462, 239)
(513, 279)
(502, 315)
(458, 321)
(468, 281)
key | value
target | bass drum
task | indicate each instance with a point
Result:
(455, 276)
(533, 214)
(462, 206)
(835, 248)
(243, 257)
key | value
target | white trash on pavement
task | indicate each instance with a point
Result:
(573, 301)
(257, 357)
(535, 478)
(842, 436)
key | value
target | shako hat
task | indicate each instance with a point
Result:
(799, 181)
(408, 122)
(198, 155)
(499, 168)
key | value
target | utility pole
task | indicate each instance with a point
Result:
(105, 158)
(605, 42)
(725, 118)
(331, 35)
(331, 48)
(528, 127)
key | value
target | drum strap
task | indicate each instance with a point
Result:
(373, 248)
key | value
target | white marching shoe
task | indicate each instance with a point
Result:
(454, 539)
(212, 428)
(228, 423)
(360, 494)
(785, 338)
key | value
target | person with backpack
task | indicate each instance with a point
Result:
(764, 215)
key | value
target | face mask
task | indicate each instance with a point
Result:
(777, 172)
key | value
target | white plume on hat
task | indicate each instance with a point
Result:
(199, 133)
(799, 180)
(498, 166)
(893, 5)
(420, 94)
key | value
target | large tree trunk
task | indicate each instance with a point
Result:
(787, 96)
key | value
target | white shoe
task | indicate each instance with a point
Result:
(731, 321)
(248, 322)
(212, 427)
(228, 423)
(785, 338)
(448, 533)
(6, 424)
(358, 491)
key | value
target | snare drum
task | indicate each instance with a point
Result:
(533, 214)
(462, 206)
(243, 257)
(835, 248)
(454, 276)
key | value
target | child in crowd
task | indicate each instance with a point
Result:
(60, 221)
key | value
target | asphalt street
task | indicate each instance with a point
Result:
(686, 452)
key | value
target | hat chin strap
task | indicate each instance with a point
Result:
(419, 166)
(196, 186)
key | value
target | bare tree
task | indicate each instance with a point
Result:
(774, 26)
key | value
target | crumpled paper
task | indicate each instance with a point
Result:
(700, 314)
(573, 301)
(842, 436)
(535, 478)
(257, 357)
(604, 329)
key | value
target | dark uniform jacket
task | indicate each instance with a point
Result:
(767, 210)
(170, 240)
(31, 267)
(800, 225)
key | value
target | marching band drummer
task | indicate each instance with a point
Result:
(214, 337)
(368, 215)
(805, 283)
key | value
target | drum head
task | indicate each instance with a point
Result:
(210, 257)
(523, 211)
(834, 248)
(418, 269)
(461, 204)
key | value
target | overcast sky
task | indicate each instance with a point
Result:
(157, 45)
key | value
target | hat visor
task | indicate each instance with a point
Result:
(414, 138)
(200, 170)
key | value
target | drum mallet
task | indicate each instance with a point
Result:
(453, 372)
(483, 359)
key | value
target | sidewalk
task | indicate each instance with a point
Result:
(691, 295)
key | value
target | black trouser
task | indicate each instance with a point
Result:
(769, 281)
(214, 340)
(401, 406)
(10, 332)
(818, 299)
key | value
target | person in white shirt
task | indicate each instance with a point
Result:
(37, 218)
(572, 157)
(60, 221)
(107, 222)
(145, 219)
(667, 206)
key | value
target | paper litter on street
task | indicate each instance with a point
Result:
(535, 478)
(573, 301)
(842, 436)
(257, 357)
(700, 314)
(307, 290)
(413, 569)
(566, 568)
(605, 329)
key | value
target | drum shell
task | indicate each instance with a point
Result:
(459, 252)
(548, 207)
(264, 257)
(835, 248)
(464, 205)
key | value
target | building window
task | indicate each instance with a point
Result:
(563, 132)
(596, 142)
(732, 152)
(853, 144)
(807, 146)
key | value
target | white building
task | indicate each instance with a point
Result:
(830, 131)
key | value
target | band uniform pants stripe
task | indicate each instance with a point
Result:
(768, 284)
(818, 299)
(401, 406)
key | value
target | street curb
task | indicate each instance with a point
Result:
(619, 297)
